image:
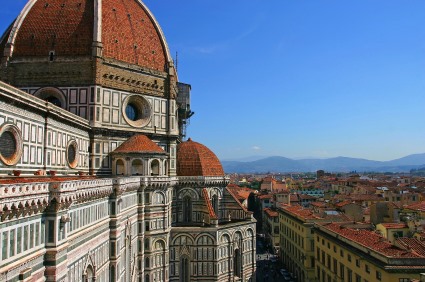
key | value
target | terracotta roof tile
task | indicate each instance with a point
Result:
(270, 212)
(394, 225)
(194, 159)
(129, 32)
(139, 144)
(208, 204)
(63, 26)
(130, 35)
(371, 240)
(412, 244)
(417, 206)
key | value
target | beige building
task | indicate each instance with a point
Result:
(297, 239)
(348, 252)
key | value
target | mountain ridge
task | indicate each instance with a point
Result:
(336, 164)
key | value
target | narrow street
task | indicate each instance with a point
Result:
(268, 266)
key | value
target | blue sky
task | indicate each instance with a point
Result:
(298, 78)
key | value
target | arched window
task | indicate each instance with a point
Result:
(120, 170)
(165, 167)
(89, 274)
(52, 95)
(112, 274)
(187, 209)
(184, 269)
(137, 167)
(214, 202)
(155, 167)
(147, 262)
(147, 278)
(237, 269)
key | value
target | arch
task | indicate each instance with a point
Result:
(155, 168)
(158, 198)
(184, 268)
(187, 209)
(216, 191)
(137, 167)
(205, 239)
(147, 262)
(237, 263)
(182, 240)
(159, 245)
(147, 278)
(187, 192)
(165, 166)
(119, 167)
(88, 275)
(237, 240)
(214, 203)
(52, 95)
(225, 238)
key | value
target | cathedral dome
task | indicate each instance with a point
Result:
(124, 30)
(194, 159)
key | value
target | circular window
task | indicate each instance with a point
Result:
(10, 144)
(72, 154)
(137, 111)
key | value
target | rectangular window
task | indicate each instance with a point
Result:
(357, 262)
(12, 243)
(37, 234)
(349, 257)
(378, 275)
(367, 268)
(349, 275)
(19, 240)
(25, 238)
(341, 270)
(31, 236)
(43, 235)
(4, 245)
(50, 231)
(358, 278)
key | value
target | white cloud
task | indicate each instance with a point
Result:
(256, 148)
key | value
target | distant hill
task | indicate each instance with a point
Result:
(338, 164)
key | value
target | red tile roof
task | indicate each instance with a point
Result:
(301, 212)
(371, 240)
(194, 159)
(394, 225)
(139, 144)
(267, 196)
(412, 244)
(208, 204)
(129, 33)
(270, 212)
(235, 198)
(67, 29)
(417, 206)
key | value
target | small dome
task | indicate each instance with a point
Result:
(194, 159)
(139, 144)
